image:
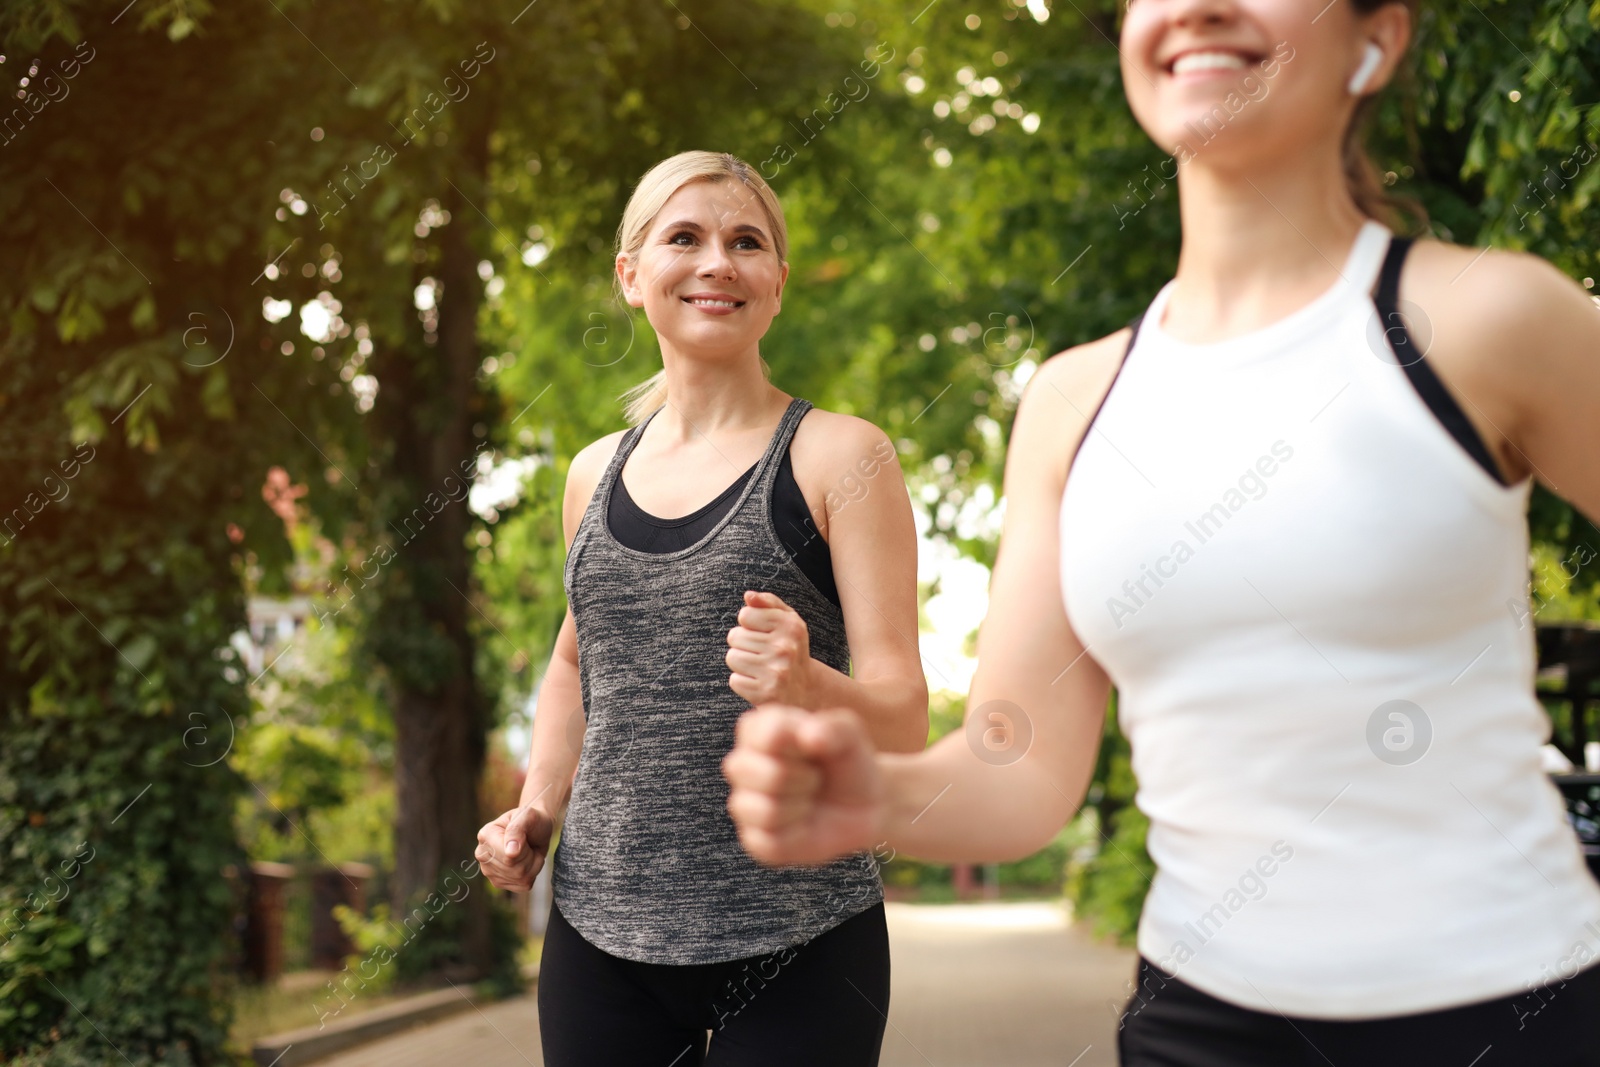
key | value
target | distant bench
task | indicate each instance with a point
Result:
(1569, 655)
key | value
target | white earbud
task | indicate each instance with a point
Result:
(1369, 66)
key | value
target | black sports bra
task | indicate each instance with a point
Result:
(638, 529)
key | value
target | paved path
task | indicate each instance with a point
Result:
(974, 985)
(1008, 985)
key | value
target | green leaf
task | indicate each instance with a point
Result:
(144, 313)
(139, 651)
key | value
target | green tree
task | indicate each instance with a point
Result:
(113, 265)
(133, 375)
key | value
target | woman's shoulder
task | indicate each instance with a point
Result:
(1486, 292)
(826, 440)
(1080, 375)
(583, 476)
(1060, 399)
(593, 457)
(1519, 340)
(1499, 319)
(1086, 361)
(590, 462)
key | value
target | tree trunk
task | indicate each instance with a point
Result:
(442, 722)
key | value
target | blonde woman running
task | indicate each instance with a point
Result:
(711, 564)
(1286, 517)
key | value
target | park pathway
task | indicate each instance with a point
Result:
(974, 985)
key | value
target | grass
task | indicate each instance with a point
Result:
(299, 998)
(302, 998)
(532, 949)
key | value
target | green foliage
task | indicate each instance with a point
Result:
(318, 754)
(1109, 871)
(937, 259)
(119, 695)
(1563, 586)
(1109, 889)
(362, 828)
(302, 767)
(115, 804)
(376, 940)
(426, 940)
(521, 576)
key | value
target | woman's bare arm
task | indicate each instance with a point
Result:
(512, 848)
(808, 787)
(1538, 333)
(848, 467)
(558, 720)
(558, 724)
(872, 539)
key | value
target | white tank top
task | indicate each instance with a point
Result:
(1311, 600)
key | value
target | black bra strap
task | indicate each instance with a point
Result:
(1414, 362)
(1388, 295)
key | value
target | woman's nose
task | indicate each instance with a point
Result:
(716, 263)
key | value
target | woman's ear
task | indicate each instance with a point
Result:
(1389, 29)
(628, 278)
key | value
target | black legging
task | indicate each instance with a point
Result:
(825, 1001)
(1172, 1024)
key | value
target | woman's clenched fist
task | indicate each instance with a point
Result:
(769, 652)
(512, 848)
(805, 787)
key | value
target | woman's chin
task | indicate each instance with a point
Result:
(710, 336)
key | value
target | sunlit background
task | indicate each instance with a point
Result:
(307, 307)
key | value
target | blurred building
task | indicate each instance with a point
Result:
(273, 624)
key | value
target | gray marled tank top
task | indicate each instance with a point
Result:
(649, 866)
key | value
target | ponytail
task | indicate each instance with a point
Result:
(1367, 187)
(642, 399)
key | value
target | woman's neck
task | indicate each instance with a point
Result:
(1258, 242)
(714, 396)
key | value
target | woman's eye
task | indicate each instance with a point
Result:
(748, 244)
(680, 238)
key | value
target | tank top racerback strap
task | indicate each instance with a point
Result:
(772, 462)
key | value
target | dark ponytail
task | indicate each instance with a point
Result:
(1367, 187)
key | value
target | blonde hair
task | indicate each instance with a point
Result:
(649, 196)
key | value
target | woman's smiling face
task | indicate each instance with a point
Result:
(1240, 76)
(707, 274)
